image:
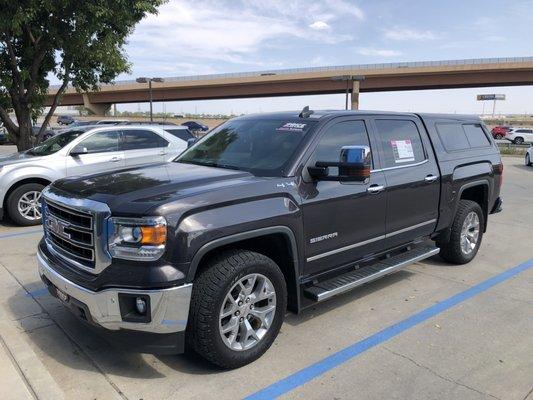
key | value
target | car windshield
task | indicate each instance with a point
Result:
(263, 147)
(55, 143)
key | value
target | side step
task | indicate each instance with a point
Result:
(350, 280)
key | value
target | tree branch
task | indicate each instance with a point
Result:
(36, 64)
(14, 69)
(55, 103)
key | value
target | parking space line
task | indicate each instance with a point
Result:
(25, 233)
(311, 372)
(38, 293)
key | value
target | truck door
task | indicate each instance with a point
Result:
(412, 178)
(345, 221)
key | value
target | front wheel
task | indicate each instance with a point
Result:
(519, 140)
(237, 308)
(466, 234)
(498, 136)
(24, 204)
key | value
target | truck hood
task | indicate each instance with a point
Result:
(135, 191)
(18, 158)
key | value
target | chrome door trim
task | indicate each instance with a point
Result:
(365, 242)
(401, 166)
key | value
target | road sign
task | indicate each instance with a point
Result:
(483, 97)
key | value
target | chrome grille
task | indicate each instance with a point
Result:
(70, 232)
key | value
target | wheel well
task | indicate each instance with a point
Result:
(23, 182)
(276, 246)
(479, 194)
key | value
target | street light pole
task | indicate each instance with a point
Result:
(149, 81)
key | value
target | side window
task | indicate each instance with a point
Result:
(452, 136)
(138, 139)
(183, 134)
(348, 133)
(401, 143)
(101, 142)
(475, 135)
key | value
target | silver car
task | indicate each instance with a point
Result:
(80, 151)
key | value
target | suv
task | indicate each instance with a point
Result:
(196, 126)
(65, 120)
(265, 213)
(80, 151)
(499, 132)
(520, 135)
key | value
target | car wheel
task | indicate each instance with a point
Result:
(499, 136)
(24, 204)
(528, 160)
(466, 234)
(237, 308)
(519, 140)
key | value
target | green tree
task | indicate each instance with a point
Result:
(81, 43)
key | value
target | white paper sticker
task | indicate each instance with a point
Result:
(403, 151)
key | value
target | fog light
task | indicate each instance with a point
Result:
(140, 304)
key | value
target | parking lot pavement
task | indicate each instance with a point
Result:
(478, 348)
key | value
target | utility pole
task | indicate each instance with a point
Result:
(355, 82)
(149, 81)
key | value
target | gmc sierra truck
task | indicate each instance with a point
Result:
(266, 213)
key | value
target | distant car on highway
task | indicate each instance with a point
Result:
(499, 132)
(529, 156)
(78, 151)
(196, 126)
(520, 135)
(65, 120)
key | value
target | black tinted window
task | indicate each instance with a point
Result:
(523, 131)
(348, 133)
(400, 142)
(182, 134)
(101, 142)
(475, 135)
(136, 139)
(453, 137)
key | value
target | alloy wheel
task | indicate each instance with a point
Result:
(470, 233)
(29, 205)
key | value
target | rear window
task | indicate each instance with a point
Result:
(456, 136)
(182, 134)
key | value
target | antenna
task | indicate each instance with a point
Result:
(306, 112)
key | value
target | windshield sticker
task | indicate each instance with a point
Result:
(403, 151)
(292, 127)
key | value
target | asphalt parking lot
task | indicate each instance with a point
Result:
(432, 331)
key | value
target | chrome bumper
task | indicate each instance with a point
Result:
(169, 307)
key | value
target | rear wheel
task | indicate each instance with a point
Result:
(237, 308)
(24, 204)
(519, 140)
(499, 136)
(466, 234)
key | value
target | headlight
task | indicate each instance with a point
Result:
(140, 239)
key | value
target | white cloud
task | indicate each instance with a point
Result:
(369, 51)
(319, 26)
(401, 34)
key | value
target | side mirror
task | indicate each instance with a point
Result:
(191, 141)
(354, 166)
(78, 150)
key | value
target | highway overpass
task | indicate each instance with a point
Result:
(317, 80)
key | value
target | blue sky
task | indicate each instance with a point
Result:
(202, 37)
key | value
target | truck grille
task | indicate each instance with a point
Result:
(70, 232)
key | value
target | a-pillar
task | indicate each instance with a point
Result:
(98, 109)
(356, 85)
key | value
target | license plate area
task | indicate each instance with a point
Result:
(62, 295)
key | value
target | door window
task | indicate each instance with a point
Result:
(138, 139)
(101, 142)
(401, 143)
(347, 133)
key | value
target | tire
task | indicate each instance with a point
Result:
(528, 160)
(219, 279)
(498, 136)
(453, 251)
(519, 140)
(18, 196)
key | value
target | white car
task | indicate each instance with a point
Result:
(520, 135)
(529, 156)
(81, 151)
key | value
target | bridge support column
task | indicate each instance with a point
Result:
(356, 85)
(98, 109)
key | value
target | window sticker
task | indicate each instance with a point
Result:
(403, 151)
(292, 127)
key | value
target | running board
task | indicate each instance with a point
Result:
(350, 280)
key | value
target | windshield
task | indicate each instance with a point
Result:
(55, 143)
(262, 147)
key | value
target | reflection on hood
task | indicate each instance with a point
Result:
(16, 158)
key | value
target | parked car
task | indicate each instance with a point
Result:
(520, 135)
(266, 212)
(146, 123)
(4, 137)
(65, 119)
(76, 124)
(499, 132)
(79, 151)
(179, 131)
(48, 133)
(111, 122)
(529, 156)
(196, 126)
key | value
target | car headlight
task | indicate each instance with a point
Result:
(140, 239)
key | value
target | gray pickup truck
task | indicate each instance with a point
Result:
(266, 213)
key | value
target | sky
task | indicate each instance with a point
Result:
(218, 36)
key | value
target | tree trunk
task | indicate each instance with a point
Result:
(24, 138)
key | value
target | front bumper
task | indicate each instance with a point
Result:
(169, 308)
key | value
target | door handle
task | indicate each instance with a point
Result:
(431, 178)
(375, 189)
(115, 159)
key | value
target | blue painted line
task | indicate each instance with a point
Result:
(309, 373)
(25, 233)
(38, 293)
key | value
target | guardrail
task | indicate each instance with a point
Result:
(513, 149)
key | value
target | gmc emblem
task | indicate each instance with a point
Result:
(57, 227)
